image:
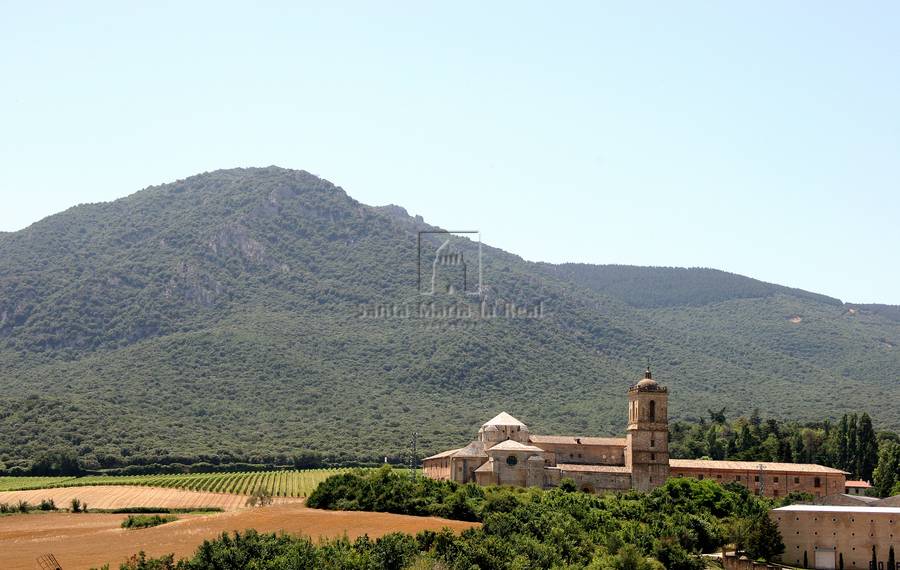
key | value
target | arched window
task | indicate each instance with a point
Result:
(652, 410)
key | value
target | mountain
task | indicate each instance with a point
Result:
(257, 314)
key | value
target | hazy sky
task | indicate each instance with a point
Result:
(762, 139)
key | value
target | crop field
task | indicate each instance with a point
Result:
(88, 541)
(279, 483)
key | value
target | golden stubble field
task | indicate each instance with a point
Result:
(81, 541)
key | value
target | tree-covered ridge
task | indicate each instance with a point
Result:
(221, 318)
(654, 287)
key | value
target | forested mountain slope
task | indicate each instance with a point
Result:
(253, 313)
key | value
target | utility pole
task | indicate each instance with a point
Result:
(414, 460)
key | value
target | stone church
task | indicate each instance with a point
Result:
(507, 453)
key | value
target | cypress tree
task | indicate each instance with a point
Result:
(868, 448)
(843, 442)
(892, 563)
(852, 451)
(805, 560)
(841, 561)
(764, 539)
(874, 559)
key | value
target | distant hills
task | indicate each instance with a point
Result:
(257, 314)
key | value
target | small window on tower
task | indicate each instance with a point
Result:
(652, 443)
(652, 413)
(652, 457)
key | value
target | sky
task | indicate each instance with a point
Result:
(760, 138)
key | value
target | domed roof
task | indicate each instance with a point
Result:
(648, 381)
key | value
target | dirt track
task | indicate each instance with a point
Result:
(116, 497)
(86, 540)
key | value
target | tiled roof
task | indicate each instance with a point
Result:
(503, 419)
(858, 484)
(447, 453)
(591, 468)
(890, 502)
(486, 467)
(753, 466)
(572, 440)
(474, 449)
(512, 445)
(876, 510)
(842, 499)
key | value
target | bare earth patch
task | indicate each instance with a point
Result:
(80, 541)
(117, 497)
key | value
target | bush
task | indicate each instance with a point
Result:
(146, 521)
(259, 498)
(47, 505)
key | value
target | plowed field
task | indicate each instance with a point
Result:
(81, 541)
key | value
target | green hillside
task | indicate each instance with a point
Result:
(229, 317)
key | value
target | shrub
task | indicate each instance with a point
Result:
(47, 505)
(146, 521)
(259, 498)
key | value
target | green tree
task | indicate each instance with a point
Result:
(852, 449)
(714, 448)
(629, 557)
(843, 439)
(764, 539)
(867, 452)
(887, 473)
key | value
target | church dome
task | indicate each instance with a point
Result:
(647, 382)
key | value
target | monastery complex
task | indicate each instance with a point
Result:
(507, 453)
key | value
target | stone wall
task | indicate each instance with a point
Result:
(775, 483)
(587, 454)
(839, 532)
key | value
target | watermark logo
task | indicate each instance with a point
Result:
(451, 286)
(449, 262)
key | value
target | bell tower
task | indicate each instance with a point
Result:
(647, 442)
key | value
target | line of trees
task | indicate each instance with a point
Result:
(852, 444)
